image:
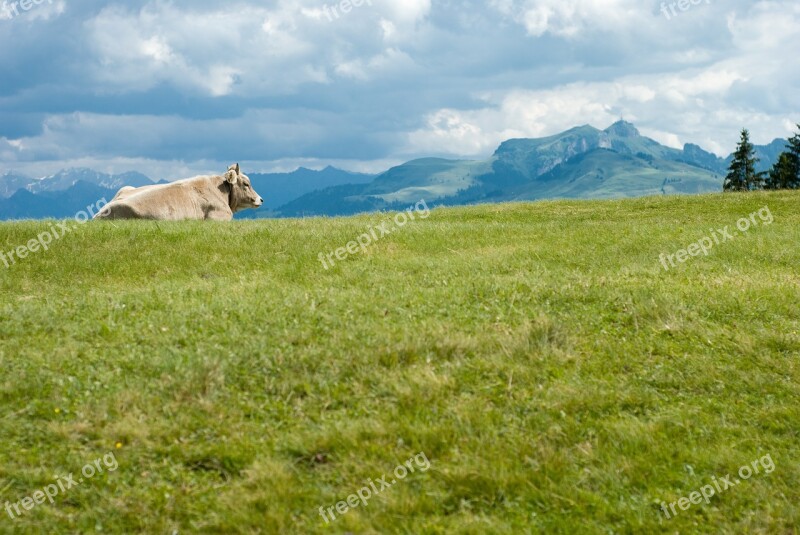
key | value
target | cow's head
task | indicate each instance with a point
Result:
(242, 193)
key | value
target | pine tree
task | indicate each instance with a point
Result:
(742, 175)
(783, 173)
(794, 161)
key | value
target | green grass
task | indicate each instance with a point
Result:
(556, 377)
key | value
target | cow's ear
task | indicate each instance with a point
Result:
(232, 176)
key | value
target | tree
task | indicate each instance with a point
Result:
(783, 173)
(794, 157)
(742, 175)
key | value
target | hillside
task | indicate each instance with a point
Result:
(282, 188)
(538, 355)
(581, 163)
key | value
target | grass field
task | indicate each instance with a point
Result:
(554, 375)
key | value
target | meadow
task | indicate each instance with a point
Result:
(556, 377)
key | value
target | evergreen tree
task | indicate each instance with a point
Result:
(783, 173)
(794, 161)
(742, 175)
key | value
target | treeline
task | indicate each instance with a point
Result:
(785, 174)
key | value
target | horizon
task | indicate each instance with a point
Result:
(321, 168)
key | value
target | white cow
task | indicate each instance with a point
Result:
(203, 197)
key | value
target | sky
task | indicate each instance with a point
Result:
(177, 88)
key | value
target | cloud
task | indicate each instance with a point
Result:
(209, 52)
(706, 104)
(569, 18)
(673, 108)
(40, 10)
(281, 81)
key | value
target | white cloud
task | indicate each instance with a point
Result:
(257, 48)
(389, 29)
(706, 105)
(406, 11)
(568, 18)
(206, 52)
(674, 108)
(390, 60)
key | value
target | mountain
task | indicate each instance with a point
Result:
(281, 188)
(64, 180)
(67, 192)
(582, 162)
(53, 204)
(10, 183)
(61, 195)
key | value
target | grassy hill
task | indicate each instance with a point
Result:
(555, 376)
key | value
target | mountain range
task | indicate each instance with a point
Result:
(583, 162)
(70, 191)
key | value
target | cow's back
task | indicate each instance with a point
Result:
(186, 199)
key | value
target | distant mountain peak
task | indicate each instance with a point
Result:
(623, 128)
(308, 171)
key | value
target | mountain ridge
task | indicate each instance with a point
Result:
(69, 191)
(582, 162)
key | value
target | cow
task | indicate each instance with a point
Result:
(203, 197)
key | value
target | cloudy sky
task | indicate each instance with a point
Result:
(173, 88)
